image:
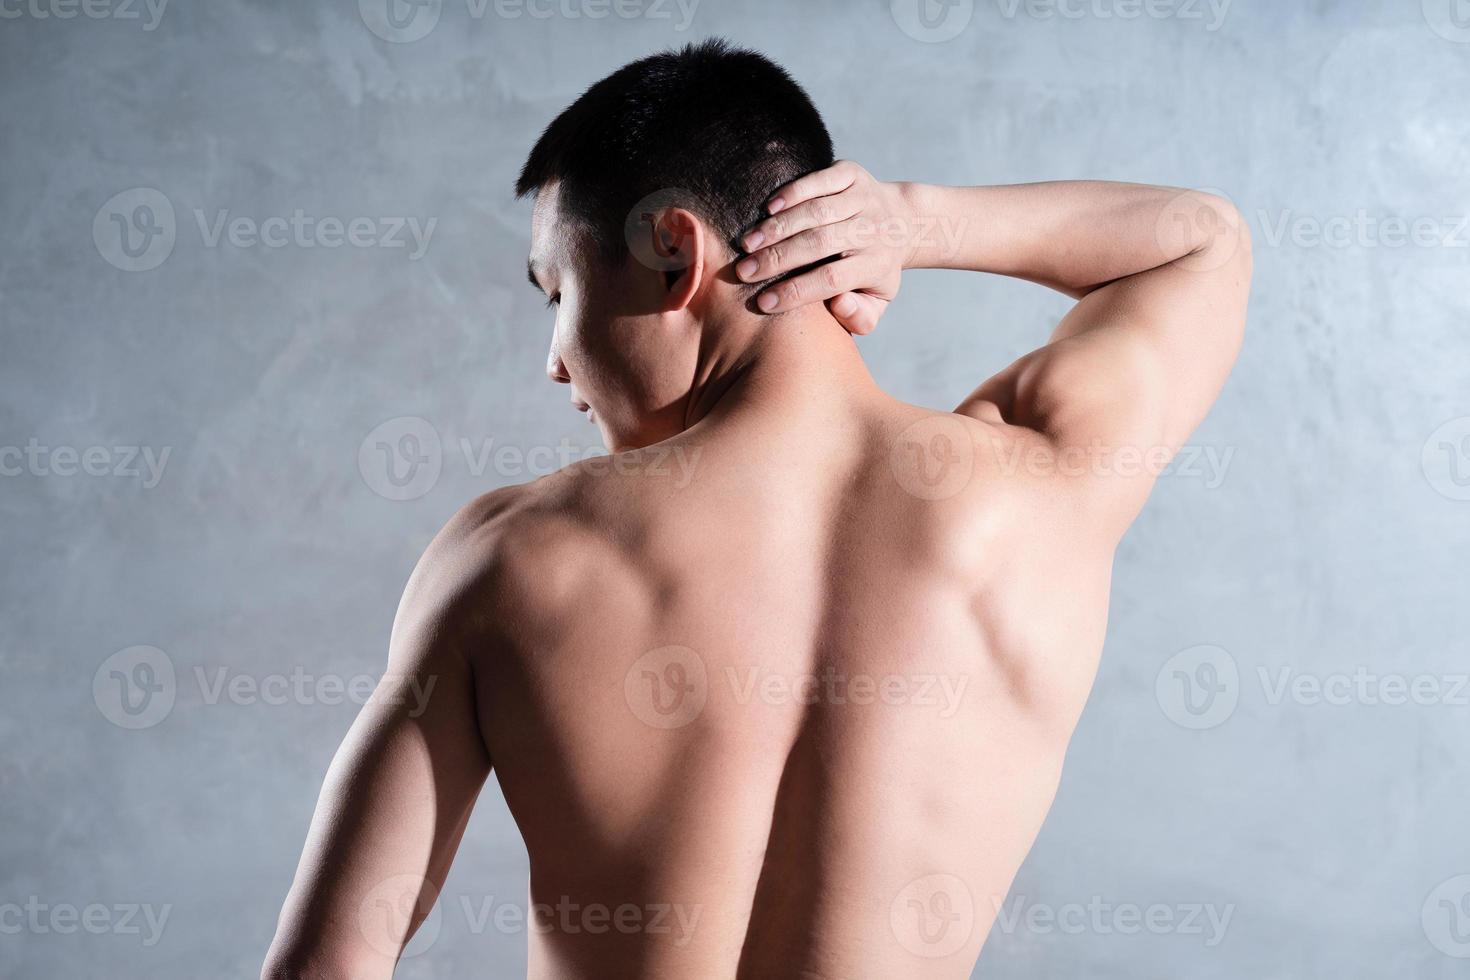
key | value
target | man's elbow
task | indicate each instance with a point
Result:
(290, 970)
(1227, 238)
(283, 969)
(293, 963)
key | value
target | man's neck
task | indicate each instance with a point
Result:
(784, 363)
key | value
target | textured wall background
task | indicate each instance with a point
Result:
(188, 406)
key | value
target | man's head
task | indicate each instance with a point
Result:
(643, 187)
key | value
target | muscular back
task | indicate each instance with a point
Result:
(793, 697)
(786, 694)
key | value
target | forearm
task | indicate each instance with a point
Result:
(1072, 236)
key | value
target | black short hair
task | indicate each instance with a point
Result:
(724, 123)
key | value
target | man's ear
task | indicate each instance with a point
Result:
(678, 238)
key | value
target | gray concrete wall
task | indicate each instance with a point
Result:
(189, 430)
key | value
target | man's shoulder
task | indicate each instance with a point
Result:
(974, 457)
(530, 550)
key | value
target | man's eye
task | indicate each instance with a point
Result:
(553, 300)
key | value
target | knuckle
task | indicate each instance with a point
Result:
(791, 292)
(829, 276)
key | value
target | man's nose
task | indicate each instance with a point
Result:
(555, 369)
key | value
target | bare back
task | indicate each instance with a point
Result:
(791, 701)
(787, 692)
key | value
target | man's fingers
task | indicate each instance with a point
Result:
(805, 248)
(857, 312)
(821, 283)
(838, 177)
(798, 218)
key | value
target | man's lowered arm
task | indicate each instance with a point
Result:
(400, 789)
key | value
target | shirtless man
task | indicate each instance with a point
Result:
(797, 710)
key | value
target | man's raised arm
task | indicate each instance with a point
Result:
(1161, 276)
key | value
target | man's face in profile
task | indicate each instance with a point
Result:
(628, 361)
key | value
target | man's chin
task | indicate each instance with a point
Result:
(614, 442)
